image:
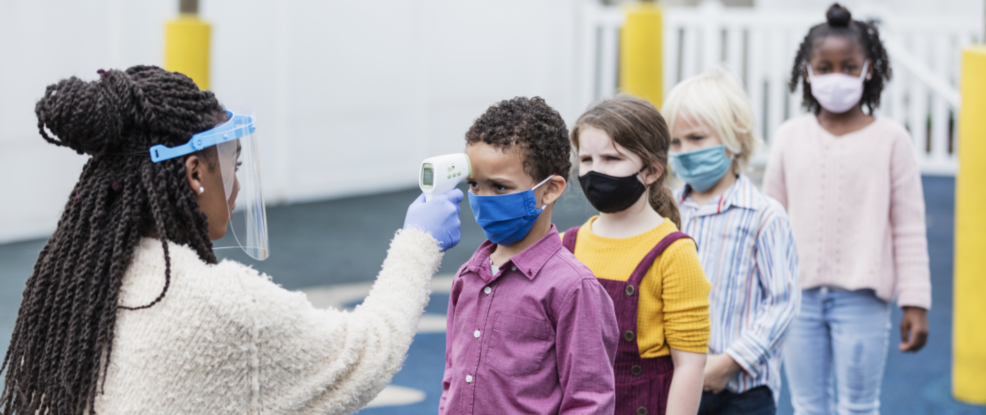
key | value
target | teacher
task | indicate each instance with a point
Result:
(129, 311)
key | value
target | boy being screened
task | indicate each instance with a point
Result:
(530, 329)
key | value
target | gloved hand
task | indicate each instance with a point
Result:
(439, 217)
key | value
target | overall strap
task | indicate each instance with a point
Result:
(569, 240)
(645, 264)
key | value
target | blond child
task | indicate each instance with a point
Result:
(745, 243)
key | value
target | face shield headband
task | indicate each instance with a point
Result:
(239, 164)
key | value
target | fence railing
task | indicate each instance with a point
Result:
(758, 46)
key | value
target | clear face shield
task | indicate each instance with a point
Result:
(239, 164)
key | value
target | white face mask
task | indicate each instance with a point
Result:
(837, 92)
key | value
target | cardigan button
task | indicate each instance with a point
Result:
(628, 336)
(636, 370)
(641, 411)
(629, 291)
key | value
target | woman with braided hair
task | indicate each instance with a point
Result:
(128, 310)
(852, 189)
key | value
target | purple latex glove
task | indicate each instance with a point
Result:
(439, 217)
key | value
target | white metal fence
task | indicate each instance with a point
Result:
(759, 47)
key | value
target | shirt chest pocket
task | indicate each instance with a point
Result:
(519, 345)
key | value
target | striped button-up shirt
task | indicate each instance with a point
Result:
(748, 252)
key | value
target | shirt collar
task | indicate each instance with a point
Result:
(741, 194)
(529, 261)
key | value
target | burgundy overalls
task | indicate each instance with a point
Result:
(642, 385)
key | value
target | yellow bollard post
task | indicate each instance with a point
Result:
(186, 47)
(969, 337)
(641, 53)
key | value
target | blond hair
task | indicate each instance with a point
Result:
(715, 99)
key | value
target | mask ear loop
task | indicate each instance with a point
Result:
(539, 185)
(641, 171)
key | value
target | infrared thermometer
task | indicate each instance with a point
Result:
(440, 174)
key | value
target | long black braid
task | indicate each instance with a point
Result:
(839, 22)
(68, 312)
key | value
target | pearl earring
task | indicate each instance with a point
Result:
(201, 190)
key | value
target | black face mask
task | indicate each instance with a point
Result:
(610, 194)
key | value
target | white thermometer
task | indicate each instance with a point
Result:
(440, 174)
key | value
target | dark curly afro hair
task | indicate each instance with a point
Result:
(536, 128)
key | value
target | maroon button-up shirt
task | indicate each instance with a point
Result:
(539, 337)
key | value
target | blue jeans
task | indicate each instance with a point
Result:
(756, 401)
(835, 352)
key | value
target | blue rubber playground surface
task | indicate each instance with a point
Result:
(344, 242)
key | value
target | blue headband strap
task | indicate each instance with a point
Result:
(238, 126)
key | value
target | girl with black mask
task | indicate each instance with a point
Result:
(650, 269)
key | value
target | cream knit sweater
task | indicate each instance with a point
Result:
(856, 207)
(227, 340)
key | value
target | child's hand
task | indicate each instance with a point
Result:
(719, 369)
(913, 329)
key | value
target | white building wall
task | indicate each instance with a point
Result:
(905, 7)
(350, 96)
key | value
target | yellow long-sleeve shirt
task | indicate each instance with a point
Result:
(673, 311)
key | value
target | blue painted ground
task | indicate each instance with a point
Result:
(345, 241)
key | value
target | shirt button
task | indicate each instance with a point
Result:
(476, 333)
(513, 268)
(468, 378)
(487, 290)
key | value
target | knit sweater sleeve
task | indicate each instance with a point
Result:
(774, 183)
(685, 293)
(312, 361)
(907, 221)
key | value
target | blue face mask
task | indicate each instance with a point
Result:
(506, 219)
(701, 169)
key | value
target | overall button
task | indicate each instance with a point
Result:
(487, 290)
(628, 336)
(641, 411)
(468, 378)
(629, 291)
(476, 333)
(636, 370)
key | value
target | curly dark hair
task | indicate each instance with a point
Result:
(532, 125)
(70, 302)
(839, 22)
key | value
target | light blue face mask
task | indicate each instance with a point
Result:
(506, 219)
(701, 169)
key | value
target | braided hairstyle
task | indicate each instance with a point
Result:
(70, 303)
(840, 23)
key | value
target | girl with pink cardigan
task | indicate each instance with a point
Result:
(852, 189)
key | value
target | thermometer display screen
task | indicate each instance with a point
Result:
(428, 175)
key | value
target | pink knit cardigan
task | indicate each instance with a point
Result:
(856, 207)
